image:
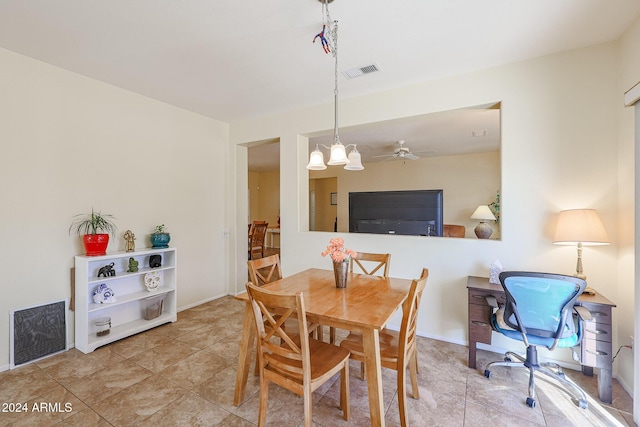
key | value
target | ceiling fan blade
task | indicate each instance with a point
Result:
(411, 156)
(384, 155)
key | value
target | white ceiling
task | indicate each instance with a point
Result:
(238, 59)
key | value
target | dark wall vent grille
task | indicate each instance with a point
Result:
(38, 332)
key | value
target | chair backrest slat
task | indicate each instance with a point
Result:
(258, 234)
(264, 270)
(371, 263)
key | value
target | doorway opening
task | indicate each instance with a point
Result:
(263, 192)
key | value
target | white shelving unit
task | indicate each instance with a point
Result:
(127, 313)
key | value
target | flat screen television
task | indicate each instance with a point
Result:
(411, 212)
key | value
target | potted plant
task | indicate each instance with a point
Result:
(160, 237)
(95, 229)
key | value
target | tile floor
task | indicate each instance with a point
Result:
(183, 374)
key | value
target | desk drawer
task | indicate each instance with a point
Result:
(479, 297)
(479, 326)
(596, 353)
(597, 331)
(599, 313)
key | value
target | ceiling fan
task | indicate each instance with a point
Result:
(401, 152)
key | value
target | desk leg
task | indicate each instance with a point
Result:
(244, 361)
(373, 375)
(605, 392)
(472, 354)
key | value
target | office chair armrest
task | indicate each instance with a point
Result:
(583, 312)
(492, 301)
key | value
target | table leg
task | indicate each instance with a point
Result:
(244, 361)
(373, 375)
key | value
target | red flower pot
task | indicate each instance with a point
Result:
(95, 244)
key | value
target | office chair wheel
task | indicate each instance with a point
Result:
(487, 373)
(583, 404)
(531, 403)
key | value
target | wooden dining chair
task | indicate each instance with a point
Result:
(264, 270)
(397, 349)
(251, 225)
(296, 362)
(453, 230)
(366, 263)
(256, 241)
(370, 263)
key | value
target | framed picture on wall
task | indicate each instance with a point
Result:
(334, 198)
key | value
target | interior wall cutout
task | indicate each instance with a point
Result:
(458, 151)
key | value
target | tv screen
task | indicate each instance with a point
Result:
(412, 212)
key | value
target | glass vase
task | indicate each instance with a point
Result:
(341, 273)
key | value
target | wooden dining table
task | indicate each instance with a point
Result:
(366, 305)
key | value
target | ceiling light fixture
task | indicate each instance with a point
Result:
(338, 150)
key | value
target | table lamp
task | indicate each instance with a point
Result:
(483, 213)
(581, 227)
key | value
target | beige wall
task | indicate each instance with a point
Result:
(264, 191)
(560, 150)
(70, 143)
(325, 212)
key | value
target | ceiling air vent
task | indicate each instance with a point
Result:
(361, 71)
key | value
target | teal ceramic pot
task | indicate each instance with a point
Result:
(160, 240)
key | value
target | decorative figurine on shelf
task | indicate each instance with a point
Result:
(107, 271)
(133, 265)
(130, 238)
(155, 261)
(104, 295)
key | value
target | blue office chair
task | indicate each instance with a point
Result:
(539, 311)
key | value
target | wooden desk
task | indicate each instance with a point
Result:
(365, 305)
(596, 345)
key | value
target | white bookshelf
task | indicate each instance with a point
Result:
(127, 313)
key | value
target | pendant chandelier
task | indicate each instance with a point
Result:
(338, 150)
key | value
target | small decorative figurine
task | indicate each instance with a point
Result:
(155, 261)
(133, 265)
(104, 295)
(107, 271)
(130, 238)
(152, 280)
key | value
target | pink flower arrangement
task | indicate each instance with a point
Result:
(337, 250)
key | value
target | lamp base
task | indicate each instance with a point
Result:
(483, 230)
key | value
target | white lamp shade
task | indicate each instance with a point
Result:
(355, 161)
(338, 155)
(580, 226)
(316, 161)
(483, 213)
